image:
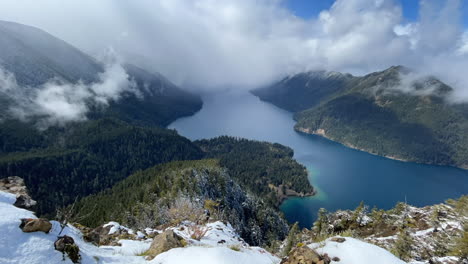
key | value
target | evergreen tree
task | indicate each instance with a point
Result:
(292, 239)
(322, 221)
(403, 246)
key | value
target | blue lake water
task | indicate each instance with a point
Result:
(343, 177)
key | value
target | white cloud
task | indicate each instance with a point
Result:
(210, 44)
(57, 102)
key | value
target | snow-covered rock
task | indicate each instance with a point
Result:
(219, 244)
(18, 247)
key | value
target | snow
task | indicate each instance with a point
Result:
(354, 251)
(17, 247)
(216, 232)
(130, 247)
(214, 255)
(117, 227)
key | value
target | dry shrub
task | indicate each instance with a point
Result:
(198, 232)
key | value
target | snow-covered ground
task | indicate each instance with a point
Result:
(220, 244)
(354, 251)
(18, 247)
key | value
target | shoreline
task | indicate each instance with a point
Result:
(322, 133)
(284, 193)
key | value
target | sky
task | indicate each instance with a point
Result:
(214, 44)
(308, 9)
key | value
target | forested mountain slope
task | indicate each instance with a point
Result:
(35, 59)
(62, 164)
(394, 113)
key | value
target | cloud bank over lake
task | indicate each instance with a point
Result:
(207, 44)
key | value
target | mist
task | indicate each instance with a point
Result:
(57, 102)
(207, 45)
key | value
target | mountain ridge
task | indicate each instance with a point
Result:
(396, 113)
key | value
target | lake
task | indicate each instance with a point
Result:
(343, 177)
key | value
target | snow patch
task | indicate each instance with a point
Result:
(354, 251)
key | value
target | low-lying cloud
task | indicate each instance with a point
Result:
(57, 102)
(212, 44)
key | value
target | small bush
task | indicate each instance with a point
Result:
(235, 247)
(198, 232)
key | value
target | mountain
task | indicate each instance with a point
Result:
(158, 103)
(35, 57)
(236, 174)
(62, 164)
(395, 113)
(178, 191)
(303, 90)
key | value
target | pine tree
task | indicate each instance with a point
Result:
(292, 239)
(403, 246)
(461, 247)
(322, 221)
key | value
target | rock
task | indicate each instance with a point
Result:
(62, 241)
(164, 242)
(15, 185)
(336, 259)
(66, 245)
(24, 201)
(302, 255)
(338, 239)
(99, 235)
(326, 258)
(34, 225)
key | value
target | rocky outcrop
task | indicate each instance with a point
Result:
(66, 245)
(29, 225)
(102, 235)
(305, 255)
(15, 185)
(164, 242)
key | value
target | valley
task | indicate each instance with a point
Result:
(338, 173)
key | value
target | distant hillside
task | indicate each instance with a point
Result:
(304, 90)
(62, 164)
(35, 57)
(173, 192)
(265, 169)
(393, 113)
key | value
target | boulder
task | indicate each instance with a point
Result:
(304, 255)
(24, 201)
(66, 245)
(98, 236)
(15, 185)
(164, 242)
(35, 225)
(338, 239)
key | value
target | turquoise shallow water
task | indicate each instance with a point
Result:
(343, 177)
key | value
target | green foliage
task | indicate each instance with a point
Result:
(403, 245)
(176, 191)
(85, 158)
(368, 113)
(321, 223)
(461, 247)
(255, 165)
(292, 239)
(73, 252)
(235, 247)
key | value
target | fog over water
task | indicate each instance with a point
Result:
(342, 176)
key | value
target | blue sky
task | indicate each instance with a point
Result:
(311, 8)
